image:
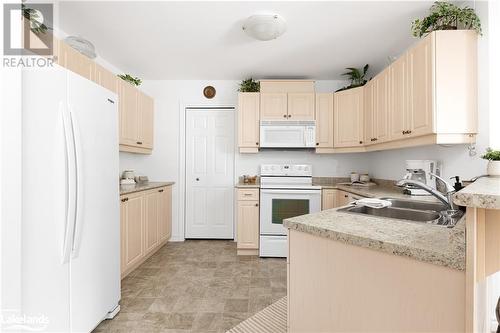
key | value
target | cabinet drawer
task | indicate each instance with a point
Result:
(248, 194)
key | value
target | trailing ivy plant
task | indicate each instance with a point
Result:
(446, 16)
(491, 155)
(129, 78)
(36, 21)
(249, 85)
(357, 77)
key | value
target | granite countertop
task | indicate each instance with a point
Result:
(428, 243)
(247, 185)
(127, 189)
(483, 193)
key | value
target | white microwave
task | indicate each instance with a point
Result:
(288, 134)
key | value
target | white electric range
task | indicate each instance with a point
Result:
(286, 191)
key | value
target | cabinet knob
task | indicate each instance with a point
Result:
(317, 143)
(346, 196)
(289, 116)
(160, 191)
(409, 132)
(256, 143)
(284, 116)
(404, 132)
(139, 142)
(256, 205)
(360, 142)
(124, 199)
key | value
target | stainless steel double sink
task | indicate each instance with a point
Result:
(417, 211)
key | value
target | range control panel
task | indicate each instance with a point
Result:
(294, 170)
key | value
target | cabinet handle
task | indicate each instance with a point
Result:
(284, 116)
(317, 143)
(409, 132)
(160, 191)
(247, 194)
(404, 132)
(346, 196)
(124, 199)
(139, 142)
(360, 142)
(289, 116)
(256, 205)
(256, 143)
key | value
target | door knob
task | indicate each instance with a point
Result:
(197, 179)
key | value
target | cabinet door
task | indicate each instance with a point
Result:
(132, 230)
(300, 106)
(273, 106)
(105, 78)
(248, 224)
(146, 121)
(324, 120)
(398, 119)
(75, 61)
(165, 214)
(248, 119)
(348, 118)
(328, 199)
(151, 200)
(129, 116)
(382, 106)
(369, 114)
(343, 198)
(420, 83)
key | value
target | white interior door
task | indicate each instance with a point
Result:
(209, 173)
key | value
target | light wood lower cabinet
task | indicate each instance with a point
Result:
(248, 221)
(329, 199)
(145, 220)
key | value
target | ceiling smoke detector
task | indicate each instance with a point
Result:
(265, 26)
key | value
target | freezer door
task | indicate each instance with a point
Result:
(45, 209)
(95, 257)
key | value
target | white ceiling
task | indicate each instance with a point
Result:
(204, 40)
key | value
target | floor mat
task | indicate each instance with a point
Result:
(270, 320)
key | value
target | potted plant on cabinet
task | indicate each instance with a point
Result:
(446, 16)
(493, 157)
(130, 79)
(249, 85)
(357, 77)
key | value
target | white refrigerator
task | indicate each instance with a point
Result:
(70, 201)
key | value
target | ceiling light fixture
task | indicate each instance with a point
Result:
(265, 26)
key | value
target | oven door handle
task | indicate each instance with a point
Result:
(291, 191)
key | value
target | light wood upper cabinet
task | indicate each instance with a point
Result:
(398, 116)
(329, 199)
(348, 118)
(324, 120)
(165, 214)
(382, 106)
(132, 230)
(420, 68)
(146, 120)
(76, 62)
(105, 78)
(369, 113)
(151, 201)
(248, 120)
(273, 106)
(129, 114)
(301, 106)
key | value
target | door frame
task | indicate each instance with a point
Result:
(183, 109)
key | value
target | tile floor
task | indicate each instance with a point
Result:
(196, 286)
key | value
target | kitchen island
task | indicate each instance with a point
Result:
(349, 272)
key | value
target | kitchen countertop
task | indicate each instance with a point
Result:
(247, 185)
(428, 243)
(483, 193)
(127, 189)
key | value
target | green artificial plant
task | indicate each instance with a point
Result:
(129, 78)
(249, 85)
(446, 16)
(357, 77)
(491, 155)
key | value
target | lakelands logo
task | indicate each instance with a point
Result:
(28, 36)
(12, 321)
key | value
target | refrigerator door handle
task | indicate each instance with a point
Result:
(70, 182)
(79, 218)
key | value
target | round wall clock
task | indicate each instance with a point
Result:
(209, 92)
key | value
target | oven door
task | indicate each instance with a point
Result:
(277, 205)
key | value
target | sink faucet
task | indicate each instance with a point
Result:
(447, 200)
